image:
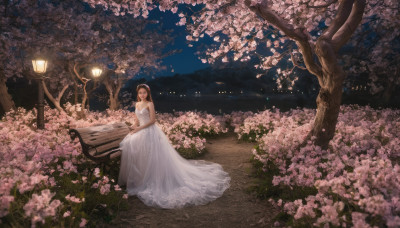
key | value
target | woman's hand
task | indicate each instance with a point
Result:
(135, 130)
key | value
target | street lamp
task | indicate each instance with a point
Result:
(40, 66)
(96, 72)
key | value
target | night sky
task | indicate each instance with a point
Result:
(184, 62)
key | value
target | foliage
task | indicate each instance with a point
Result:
(354, 182)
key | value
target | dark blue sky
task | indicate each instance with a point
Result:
(186, 61)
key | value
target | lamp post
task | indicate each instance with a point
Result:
(40, 66)
(96, 72)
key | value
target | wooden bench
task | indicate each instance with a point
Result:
(100, 143)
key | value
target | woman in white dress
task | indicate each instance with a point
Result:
(154, 171)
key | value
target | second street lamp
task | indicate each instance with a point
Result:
(40, 66)
(96, 72)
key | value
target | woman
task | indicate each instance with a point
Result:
(154, 171)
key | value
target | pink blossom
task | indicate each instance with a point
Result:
(66, 214)
(105, 189)
(83, 222)
(74, 199)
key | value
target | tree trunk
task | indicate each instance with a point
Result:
(330, 95)
(75, 94)
(390, 88)
(84, 97)
(6, 100)
(113, 91)
(387, 93)
(328, 107)
(114, 102)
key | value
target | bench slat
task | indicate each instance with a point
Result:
(97, 135)
(101, 142)
(99, 139)
(104, 148)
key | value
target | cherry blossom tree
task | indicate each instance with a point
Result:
(74, 39)
(317, 28)
(129, 47)
(57, 31)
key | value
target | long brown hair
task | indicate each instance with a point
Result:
(147, 88)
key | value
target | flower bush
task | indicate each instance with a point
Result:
(45, 179)
(235, 119)
(255, 125)
(354, 183)
(188, 131)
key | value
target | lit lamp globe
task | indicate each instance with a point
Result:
(96, 72)
(39, 66)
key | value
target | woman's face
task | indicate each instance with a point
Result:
(142, 94)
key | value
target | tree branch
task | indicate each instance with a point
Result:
(83, 80)
(346, 31)
(51, 98)
(299, 35)
(62, 92)
(46, 91)
(295, 63)
(322, 6)
(341, 16)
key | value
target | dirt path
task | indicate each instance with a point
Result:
(235, 208)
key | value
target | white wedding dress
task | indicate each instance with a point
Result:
(154, 171)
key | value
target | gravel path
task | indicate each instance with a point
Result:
(236, 208)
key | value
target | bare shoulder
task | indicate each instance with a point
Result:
(150, 105)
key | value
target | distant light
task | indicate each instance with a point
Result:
(39, 65)
(96, 72)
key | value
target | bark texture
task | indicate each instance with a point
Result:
(6, 101)
(113, 91)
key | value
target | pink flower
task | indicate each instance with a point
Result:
(117, 188)
(105, 189)
(5, 204)
(66, 214)
(97, 172)
(83, 222)
(40, 207)
(74, 199)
